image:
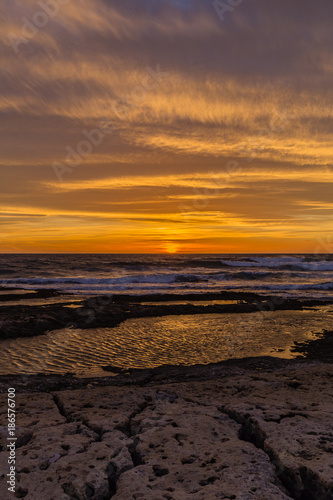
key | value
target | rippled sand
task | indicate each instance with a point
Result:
(150, 342)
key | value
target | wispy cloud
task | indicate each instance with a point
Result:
(254, 90)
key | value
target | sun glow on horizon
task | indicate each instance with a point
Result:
(210, 150)
(171, 247)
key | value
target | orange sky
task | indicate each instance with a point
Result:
(156, 126)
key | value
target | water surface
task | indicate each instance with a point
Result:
(151, 342)
(286, 275)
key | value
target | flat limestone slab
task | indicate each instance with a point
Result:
(255, 435)
(193, 451)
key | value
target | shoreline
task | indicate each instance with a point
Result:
(313, 352)
(261, 425)
(103, 311)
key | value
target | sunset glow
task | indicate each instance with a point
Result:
(171, 247)
(122, 118)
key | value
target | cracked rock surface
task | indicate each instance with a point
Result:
(255, 435)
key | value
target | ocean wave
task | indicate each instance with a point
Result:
(282, 263)
(281, 274)
(297, 286)
(133, 279)
(253, 275)
(264, 262)
(318, 266)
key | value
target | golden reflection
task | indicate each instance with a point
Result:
(171, 247)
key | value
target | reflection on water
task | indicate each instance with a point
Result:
(42, 302)
(150, 342)
(20, 291)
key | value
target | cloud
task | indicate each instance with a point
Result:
(254, 90)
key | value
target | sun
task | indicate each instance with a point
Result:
(171, 247)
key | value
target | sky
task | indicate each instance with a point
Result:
(159, 126)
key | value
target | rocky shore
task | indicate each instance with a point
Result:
(253, 428)
(258, 428)
(108, 311)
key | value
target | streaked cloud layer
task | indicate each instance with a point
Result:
(144, 126)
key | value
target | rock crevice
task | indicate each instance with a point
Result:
(247, 436)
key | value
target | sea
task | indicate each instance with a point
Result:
(186, 339)
(300, 276)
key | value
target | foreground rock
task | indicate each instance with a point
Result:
(251, 434)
